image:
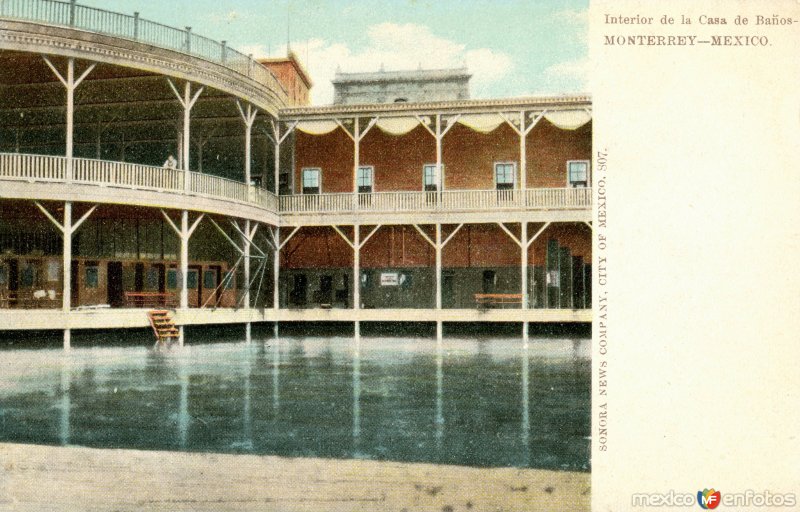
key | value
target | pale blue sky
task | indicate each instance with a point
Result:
(512, 47)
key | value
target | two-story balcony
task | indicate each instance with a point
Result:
(41, 177)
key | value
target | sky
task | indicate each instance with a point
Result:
(511, 47)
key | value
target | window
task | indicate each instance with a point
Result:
(504, 174)
(364, 180)
(210, 279)
(578, 173)
(172, 279)
(430, 178)
(28, 275)
(151, 279)
(311, 181)
(191, 279)
(92, 277)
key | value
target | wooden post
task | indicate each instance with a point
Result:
(66, 269)
(184, 259)
(523, 236)
(246, 252)
(356, 160)
(438, 266)
(356, 268)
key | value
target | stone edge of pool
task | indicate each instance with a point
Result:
(35, 477)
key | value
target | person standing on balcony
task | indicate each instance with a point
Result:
(170, 163)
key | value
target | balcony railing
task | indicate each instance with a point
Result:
(101, 21)
(451, 200)
(43, 168)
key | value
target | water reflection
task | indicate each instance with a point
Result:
(65, 404)
(505, 402)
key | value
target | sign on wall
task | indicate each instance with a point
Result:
(390, 279)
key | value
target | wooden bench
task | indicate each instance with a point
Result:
(149, 299)
(497, 299)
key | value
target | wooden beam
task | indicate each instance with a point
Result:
(541, 230)
(50, 216)
(451, 235)
(364, 241)
(425, 236)
(341, 234)
(512, 235)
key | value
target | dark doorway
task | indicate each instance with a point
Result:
(298, 295)
(138, 277)
(74, 274)
(489, 280)
(325, 289)
(161, 270)
(13, 275)
(343, 294)
(448, 297)
(115, 290)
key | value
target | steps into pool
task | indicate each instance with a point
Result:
(163, 326)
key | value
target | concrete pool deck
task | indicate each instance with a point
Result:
(34, 477)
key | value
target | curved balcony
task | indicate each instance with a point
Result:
(134, 28)
(128, 183)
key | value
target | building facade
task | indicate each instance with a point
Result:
(415, 86)
(142, 166)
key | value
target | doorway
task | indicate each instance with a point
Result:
(115, 288)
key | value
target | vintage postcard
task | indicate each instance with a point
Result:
(398, 255)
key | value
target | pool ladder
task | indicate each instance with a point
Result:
(163, 325)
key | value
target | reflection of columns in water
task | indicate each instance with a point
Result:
(246, 416)
(526, 423)
(276, 371)
(183, 407)
(356, 385)
(66, 404)
(439, 421)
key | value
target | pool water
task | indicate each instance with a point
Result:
(477, 402)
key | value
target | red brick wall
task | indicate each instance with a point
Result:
(468, 156)
(548, 150)
(332, 152)
(398, 160)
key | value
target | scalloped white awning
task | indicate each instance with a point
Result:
(568, 119)
(317, 127)
(483, 123)
(397, 125)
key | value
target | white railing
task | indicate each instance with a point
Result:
(14, 166)
(101, 21)
(317, 203)
(32, 167)
(122, 174)
(451, 200)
